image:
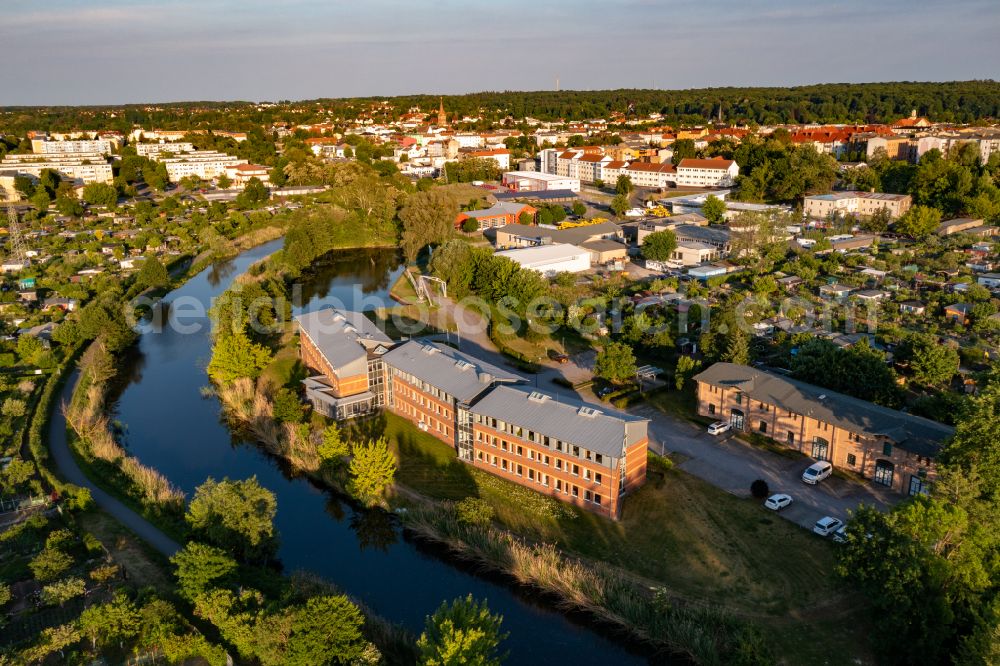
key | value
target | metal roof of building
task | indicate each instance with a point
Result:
(343, 337)
(571, 236)
(592, 427)
(911, 433)
(456, 373)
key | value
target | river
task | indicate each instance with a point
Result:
(170, 426)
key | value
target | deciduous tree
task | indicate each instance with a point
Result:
(463, 632)
(372, 471)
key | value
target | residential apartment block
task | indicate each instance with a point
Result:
(205, 164)
(822, 206)
(47, 146)
(892, 448)
(80, 167)
(578, 453)
(154, 150)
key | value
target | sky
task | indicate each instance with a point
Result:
(129, 51)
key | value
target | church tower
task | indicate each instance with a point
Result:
(442, 118)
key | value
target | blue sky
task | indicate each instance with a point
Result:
(115, 51)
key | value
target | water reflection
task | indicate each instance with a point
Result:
(172, 427)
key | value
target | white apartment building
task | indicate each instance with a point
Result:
(534, 181)
(205, 164)
(987, 143)
(822, 206)
(715, 172)
(469, 140)
(83, 167)
(153, 150)
(49, 147)
(647, 174)
(241, 174)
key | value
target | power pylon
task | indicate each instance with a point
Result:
(17, 250)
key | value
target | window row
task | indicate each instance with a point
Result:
(539, 478)
(536, 438)
(544, 459)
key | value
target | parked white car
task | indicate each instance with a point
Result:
(827, 525)
(719, 427)
(817, 472)
(840, 536)
(778, 501)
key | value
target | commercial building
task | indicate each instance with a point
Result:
(892, 448)
(578, 453)
(429, 382)
(344, 352)
(550, 259)
(498, 215)
(533, 181)
(564, 448)
(523, 235)
(822, 206)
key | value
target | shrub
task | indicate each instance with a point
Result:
(759, 489)
(475, 511)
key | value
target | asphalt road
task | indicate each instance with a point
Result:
(68, 469)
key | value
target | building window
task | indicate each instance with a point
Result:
(887, 449)
(711, 409)
(575, 492)
(520, 470)
(820, 449)
(597, 499)
(791, 437)
(763, 426)
(852, 460)
(883, 473)
(597, 477)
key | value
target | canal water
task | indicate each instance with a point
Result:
(172, 427)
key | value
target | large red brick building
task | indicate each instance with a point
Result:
(576, 452)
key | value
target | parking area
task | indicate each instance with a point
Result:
(732, 465)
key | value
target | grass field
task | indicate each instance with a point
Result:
(699, 542)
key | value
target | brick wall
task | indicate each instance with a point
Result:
(856, 452)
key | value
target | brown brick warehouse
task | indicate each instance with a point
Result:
(581, 454)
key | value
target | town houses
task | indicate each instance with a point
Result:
(891, 448)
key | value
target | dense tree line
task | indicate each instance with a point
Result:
(931, 566)
(956, 101)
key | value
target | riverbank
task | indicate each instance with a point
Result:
(154, 503)
(607, 593)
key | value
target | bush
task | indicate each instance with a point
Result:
(475, 511)
(470, 225)
(759, 489)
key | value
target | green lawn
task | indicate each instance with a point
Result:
(677, 530)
